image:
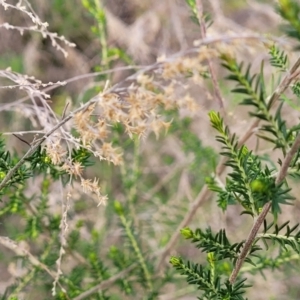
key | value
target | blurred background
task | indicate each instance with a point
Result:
(172, 168)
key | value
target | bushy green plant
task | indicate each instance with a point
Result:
(252, 182)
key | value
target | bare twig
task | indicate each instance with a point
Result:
(211, 68)
(290, 76)
(22, 140)
(280, 177)
(49, 88)
(65, 110)
(162, 182)
(23, 132)
(63, 234)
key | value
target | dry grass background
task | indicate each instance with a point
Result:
(146, 30)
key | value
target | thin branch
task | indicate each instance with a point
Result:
(49, 88)
(22, 140)
(23, 132)
(65, 110)
(211, 68)
(164, 180)
(289, 77)
(249, 241)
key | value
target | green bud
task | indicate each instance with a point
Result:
(187, 233)
(258, 186)
(47, 160)
(113, 251)
(2, 175)
(214, 117)
(210, 257)
(14, 207)
(79, 224)
(118, 208)
(227, 267)
(245, 150)
(175, 261)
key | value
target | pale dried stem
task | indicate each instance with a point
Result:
(210, 65)
(162, 182)
(63, 232)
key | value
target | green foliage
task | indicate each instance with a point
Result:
(134, 245)
(278, 58)
(275, 130)
(96, 10)
(217, 244)
(108, 54)
(195, 16)
(249, 184)
(290, 10)
(296, 89)
(212, 285)
(7, 162)
(286, 241)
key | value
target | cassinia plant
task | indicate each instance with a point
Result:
(258, 185)
(63, 237)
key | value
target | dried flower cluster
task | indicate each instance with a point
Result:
(138, 108)
(58, 156)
